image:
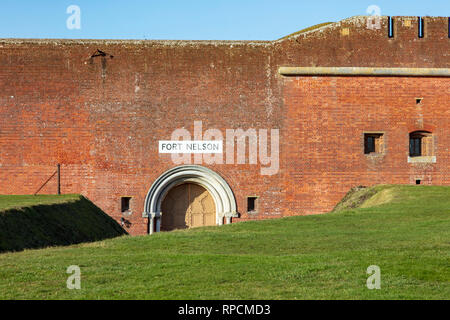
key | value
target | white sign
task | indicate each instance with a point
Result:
(177, 146)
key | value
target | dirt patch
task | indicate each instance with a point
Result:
(379, 198)
(355, 198)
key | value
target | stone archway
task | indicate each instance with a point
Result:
(224, 200)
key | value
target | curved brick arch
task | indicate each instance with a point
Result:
(219, 189)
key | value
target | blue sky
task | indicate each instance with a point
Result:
(191, 19)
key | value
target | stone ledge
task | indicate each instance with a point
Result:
(424, 159)
(363, 71)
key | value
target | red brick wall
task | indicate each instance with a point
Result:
(329, 116)
(102, 117)
(363, 47)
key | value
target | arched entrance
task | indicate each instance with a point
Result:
(214, 184)
(188, 205)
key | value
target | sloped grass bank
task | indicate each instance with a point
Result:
(47, 220)
(304, 257)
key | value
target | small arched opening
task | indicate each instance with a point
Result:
(421, 144)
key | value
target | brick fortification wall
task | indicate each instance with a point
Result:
(100, 114)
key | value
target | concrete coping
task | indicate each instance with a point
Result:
(422, 159)
(364, 71)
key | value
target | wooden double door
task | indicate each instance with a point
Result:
(187, 206)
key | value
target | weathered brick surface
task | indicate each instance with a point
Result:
(102, 117)
(329, 116)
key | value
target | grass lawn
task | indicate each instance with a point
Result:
(20, 201)
(28, 222)
(405, 230)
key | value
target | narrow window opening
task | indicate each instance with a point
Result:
(449, 27)
(415, 146)
(418, 100)
(420, 144)
(125, 204)
(390, 27)
(373, 143)
(418, 181)
(251, 204)
(421, 29)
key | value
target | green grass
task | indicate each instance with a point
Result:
(317, 26)
(21, 201)
(305, 257)
(51, 220)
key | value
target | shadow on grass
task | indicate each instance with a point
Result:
(60, 224)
